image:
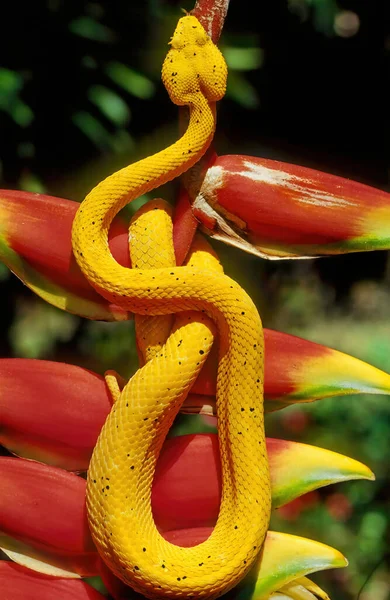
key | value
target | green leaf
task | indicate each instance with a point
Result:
(110, 104)
(31, 183)
(240, 90)
(136, 84)
(38, 327)
(243, 59)
(21, 113)
(92, 30)
(11, 83)
(92, 129)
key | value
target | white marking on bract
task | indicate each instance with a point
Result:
(212, 182)
(280, 178)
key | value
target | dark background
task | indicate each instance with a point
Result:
(302, 89)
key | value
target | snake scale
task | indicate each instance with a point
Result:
(123, 462)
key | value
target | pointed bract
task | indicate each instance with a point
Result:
(279, 210)
(297, 370)
(300, 468)
(51, 412)
(43, 519)
(283, 559)
(186, 493)
(35, 243)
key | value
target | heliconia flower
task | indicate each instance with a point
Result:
(271, 209)
(19, 583)
(279, 210)
(268, 208)
(64, 432)
(35, 243)
(44, 525)
(42, 495)
(179, 502)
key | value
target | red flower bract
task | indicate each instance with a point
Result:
(18, 583)
(283, 210)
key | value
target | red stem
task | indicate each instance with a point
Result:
(212, 14)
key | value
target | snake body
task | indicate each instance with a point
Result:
(122, 466)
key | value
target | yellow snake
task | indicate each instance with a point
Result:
(123, 463)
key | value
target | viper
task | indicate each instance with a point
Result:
(122, 467)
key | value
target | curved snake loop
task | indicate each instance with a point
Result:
(124, 459)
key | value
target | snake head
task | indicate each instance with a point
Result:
(194, 64)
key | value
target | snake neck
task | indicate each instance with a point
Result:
(96, 213)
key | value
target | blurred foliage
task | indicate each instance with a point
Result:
(321, 12)
(80, 96)
(38, 327)
(354, 517)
